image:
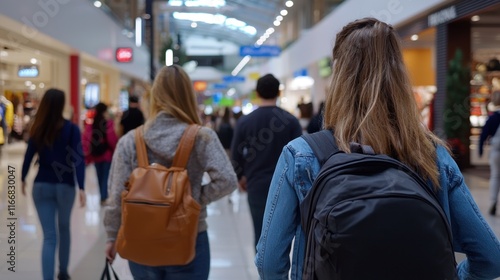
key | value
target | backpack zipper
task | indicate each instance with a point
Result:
(169, 183)
(148, 203)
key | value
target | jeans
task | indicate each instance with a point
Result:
(257, 205)
(102, 170)
(198, 269)
(495, 175)
(50, 200)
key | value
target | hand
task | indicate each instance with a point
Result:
(243, 184)
(83, 198)
(110, 251)
(23, 188)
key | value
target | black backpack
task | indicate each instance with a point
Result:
(369, 216)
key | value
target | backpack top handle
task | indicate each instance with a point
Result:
(185, 146)
(140, 147)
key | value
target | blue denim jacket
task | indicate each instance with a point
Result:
(296, 170)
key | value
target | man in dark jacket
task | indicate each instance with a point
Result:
(258, 141)
(132, 117)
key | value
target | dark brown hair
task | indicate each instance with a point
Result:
(48, 119)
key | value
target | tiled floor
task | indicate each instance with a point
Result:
(230, 231)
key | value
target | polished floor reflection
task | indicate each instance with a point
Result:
(230, 230)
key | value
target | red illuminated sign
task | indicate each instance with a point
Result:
(124, 54)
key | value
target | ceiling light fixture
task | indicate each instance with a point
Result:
(33, 61)
(194, 25)
(284, 12)
(240, 65)
(279, 18)
(97, 4)
(289, 3)
(169, 57)
(277, 23)
(475, 18)
(138, 31)
(414, 37)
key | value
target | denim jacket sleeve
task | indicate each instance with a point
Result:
(293, 178)
(280, 221)
(471, 233)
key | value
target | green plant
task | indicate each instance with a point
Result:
(457, 108)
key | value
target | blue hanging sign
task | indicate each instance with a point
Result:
(233, 79)
(219, 86)
(262, 51)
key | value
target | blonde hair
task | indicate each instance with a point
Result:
(371, 101)
(172, 92)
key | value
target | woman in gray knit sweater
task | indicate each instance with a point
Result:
(172, 106)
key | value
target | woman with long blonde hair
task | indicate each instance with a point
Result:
(370, 101)
(172, 107)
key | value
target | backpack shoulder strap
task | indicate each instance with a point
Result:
(140, 147)
(322, 143)
(185, 146)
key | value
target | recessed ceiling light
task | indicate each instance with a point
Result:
(97, 4)
(284, 12)
(279, 18)
(289, 3)
(414, 37)
(277, 23)
(33, 61)
(194, 25)
(475, 18)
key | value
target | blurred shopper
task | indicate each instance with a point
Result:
(132, 117)
(316, 122)
(380, 112)
(225, 130)
(258, 141)
(489, 132)
(99, 143)
(57, 143)
(172, 105)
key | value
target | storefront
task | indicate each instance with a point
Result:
(470, 29)
(25, 74)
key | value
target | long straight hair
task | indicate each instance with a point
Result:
(173, 93)
(99, 123)
(371, 101)
(48, 120)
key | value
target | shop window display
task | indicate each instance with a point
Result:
(485, 79)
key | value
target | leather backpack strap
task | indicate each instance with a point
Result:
(140, 147)
(185, 146)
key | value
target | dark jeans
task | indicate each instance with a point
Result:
(257, 204)
(102, 170)
(198, 269)
(54, 202)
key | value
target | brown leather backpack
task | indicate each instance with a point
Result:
(159, 222)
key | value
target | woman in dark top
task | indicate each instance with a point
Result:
(58, 144)
(489, 133)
